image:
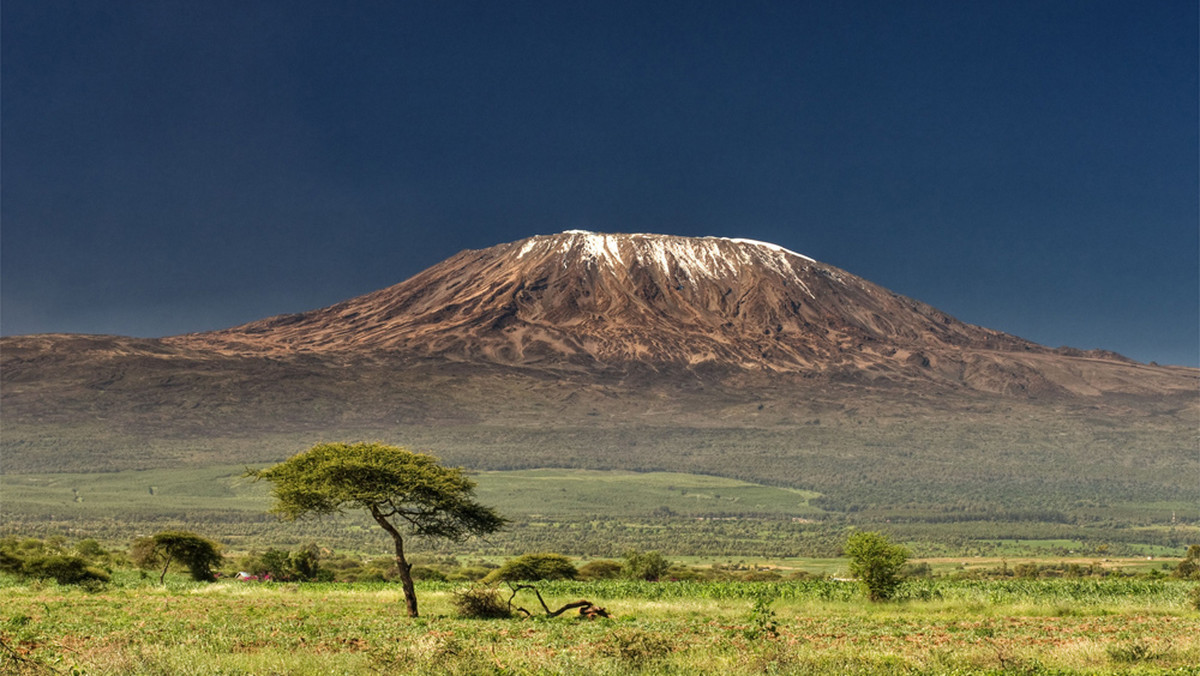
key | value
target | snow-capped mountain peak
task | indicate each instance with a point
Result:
(579, 299)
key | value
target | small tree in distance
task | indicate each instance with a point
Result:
(1189, 567)
(199, 554)
(876, 562)
(648, 566)
(401, 490)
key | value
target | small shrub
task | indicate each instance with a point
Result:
(1194, 597)
(63, 570)
(604, 569)
(481, 603)
(636, 648)
(920, 570)
(1189, 567)
(762, 619)
(762, 576)
(91, 550)
(10, 561)
(427, 573)
(1129, 653)
(467, 574)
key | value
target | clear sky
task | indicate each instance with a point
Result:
(1030, 166)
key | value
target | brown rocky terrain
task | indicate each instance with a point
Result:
(582, 301)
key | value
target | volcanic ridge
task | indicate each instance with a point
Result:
(580, 301)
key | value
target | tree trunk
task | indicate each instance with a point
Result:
(162, 579)
(402, 564)
(410, 592)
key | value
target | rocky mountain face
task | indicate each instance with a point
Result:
(603, 351)
(582, 301)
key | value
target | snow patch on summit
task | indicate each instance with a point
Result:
(696, 258)
(773, 247)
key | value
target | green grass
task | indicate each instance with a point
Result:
(1063, 627)
(582, 511)
(567, 494)
(575, 511)
(135, 492)
(552, 493)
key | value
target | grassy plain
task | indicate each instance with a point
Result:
(813, 627)
(561, 493)
(575, 511)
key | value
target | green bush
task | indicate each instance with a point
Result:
(644, 565)
(481, 603)
(876, 562)
(533, 567)
(427, 573)
(63, 569)
(302, 565)
(1189, 567)
(1129, 653)
(468, 573)
(604, 569)
(47, 561)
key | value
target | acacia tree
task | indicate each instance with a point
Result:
(876, 562)
(404, 492)
(534, 567)
(163, 549)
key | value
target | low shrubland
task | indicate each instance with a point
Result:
(133, 625)
(694, 619)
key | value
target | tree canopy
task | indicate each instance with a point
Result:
(534, 567)
(199, 554)
(404, 492)
(644, 565)
(1189, 567)
(876, 562)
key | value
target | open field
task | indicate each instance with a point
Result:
(578, 512)
(558, 493)
(816, 627)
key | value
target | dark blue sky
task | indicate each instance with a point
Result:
(1030, 166)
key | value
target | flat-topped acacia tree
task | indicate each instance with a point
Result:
(404, 492)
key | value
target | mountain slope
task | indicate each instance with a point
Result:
(586, 301)
(634, 352)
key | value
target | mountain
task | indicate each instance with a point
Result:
(704, 356)
(585, 301)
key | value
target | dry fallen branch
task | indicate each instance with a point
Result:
(17, 657)
(586, 608)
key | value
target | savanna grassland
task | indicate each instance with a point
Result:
(960, 468)
(134, 626)
(575, 511)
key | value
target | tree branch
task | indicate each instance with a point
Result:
(586, 607)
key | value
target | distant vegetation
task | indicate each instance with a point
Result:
(978, 470)
(588, 513)
(34, 559)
